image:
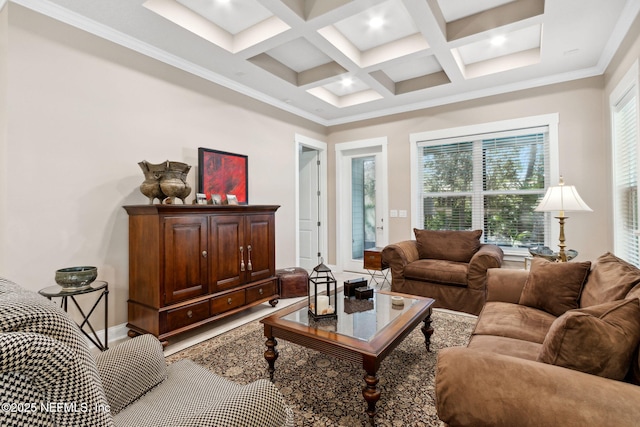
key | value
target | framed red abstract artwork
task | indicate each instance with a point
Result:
(223, 173)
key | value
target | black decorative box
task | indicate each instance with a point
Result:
(351, 285)
(357, 306)
(364, 292)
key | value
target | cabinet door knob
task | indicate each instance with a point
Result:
(249, 265)
(189, 314)
(241, 258)
(260, 291)
(204, 254)
(229, 300)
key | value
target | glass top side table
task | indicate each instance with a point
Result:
(101, 286)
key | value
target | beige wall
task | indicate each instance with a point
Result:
(583, 151)
(83, 113)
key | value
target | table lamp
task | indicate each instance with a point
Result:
(562, 198)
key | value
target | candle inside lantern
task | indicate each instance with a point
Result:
(323, 304)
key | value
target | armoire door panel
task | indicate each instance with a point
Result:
(259, 239)
(228, 263)
(185, 262)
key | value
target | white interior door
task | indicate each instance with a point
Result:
(363, 194)
(309, 208)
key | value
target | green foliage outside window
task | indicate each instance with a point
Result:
(509, 183)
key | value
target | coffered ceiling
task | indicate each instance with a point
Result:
(338, 61)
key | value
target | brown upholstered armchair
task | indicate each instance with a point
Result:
(448, 266)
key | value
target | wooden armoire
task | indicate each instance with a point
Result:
(190, 265)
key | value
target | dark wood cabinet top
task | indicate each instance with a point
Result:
(196, 209)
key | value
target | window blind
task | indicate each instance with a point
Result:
(625, 159)
(491, 182)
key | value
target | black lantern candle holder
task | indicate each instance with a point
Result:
(322, 293)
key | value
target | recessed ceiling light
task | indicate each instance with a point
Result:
(376, 22)
(498, 40)
(347, 81)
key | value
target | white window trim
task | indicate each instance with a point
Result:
(549, 120)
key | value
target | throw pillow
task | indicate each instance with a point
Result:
(611, 279)
(598, 340)
(449, 245)
(554, 287)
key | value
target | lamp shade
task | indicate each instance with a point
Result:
(562, 198)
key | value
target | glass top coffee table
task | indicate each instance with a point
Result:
(365, 332)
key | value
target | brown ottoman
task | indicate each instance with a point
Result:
(293, 282)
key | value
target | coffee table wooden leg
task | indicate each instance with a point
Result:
(271, 354)
(427, 330)
(371, 394)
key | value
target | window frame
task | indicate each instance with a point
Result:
(547, 120)
(629, 85)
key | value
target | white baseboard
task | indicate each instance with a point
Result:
(115, 334)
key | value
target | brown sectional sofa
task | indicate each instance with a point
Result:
(448, 266)
(548, 352)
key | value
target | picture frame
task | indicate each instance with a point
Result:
(201, 199)
(232, 199)
(221, 172)
(216, 199)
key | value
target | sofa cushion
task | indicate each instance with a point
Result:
(450, 245)
(554, 287)
(610, 279)
(437, 270)
(514, 321)
(598, 340)
(506, 346)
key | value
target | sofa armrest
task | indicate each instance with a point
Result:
(131, 369)
(488, 256)
(475, 388)
(398, 255)
(505, 284)
(258, 404)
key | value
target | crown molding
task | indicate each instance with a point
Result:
(628, 15)
(467, 96)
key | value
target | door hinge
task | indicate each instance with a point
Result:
(318, 193)
(319, 254)
(318, 162)
(318, 223)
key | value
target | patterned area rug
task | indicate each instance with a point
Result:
(324, 391)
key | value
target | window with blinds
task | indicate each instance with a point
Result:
(491, 182)
(625, 175)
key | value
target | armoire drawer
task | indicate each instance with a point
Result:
(187, 315)
(227, 302)
(261, 291)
